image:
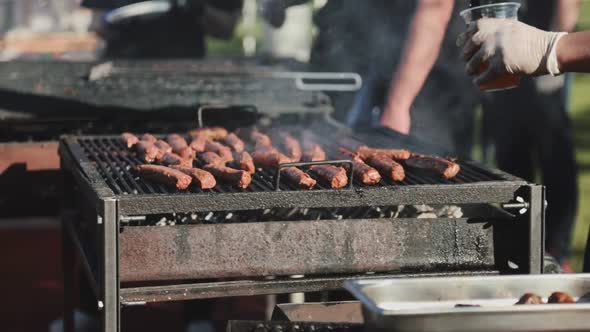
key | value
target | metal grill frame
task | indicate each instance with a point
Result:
(110, 209)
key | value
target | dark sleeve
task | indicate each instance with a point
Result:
(226, 5)
(106, 4)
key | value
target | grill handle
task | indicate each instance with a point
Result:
(310, 81)
(244, 108)
(350, 172)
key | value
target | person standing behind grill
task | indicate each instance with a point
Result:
(530, 129)
(413, 39)
(178, 34)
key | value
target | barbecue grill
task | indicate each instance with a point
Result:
(231, 242)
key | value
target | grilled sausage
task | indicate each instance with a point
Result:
(198, 143)
(147, 151)
(441, 166)
(149, 138)
(314, 153)
(292, 147)
(211, 158)
(254, 136)
(202, 178)
(244, 162)
(365, 152)
(366, 174)
(530, 298)
(268, 157)
(177, 142)
(238, 178)
(187, 153)
(223, 151)
(387, 167)
(128, 139)
(298, 177)
(171, 158)
(560, 297)
(165, 175)
(234, 142)
(335, 176)
(212, 133)
(163, 146)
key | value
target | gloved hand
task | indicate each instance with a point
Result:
(508, 47)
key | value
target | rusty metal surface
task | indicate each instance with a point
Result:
(39, 156)
(308, 247)
(328, 312)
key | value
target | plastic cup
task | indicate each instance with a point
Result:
(505, 10)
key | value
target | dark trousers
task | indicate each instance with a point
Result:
(531, 131)
(587, 256)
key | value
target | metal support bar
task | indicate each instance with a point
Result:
(68, 256)
(110, 270)
(536, 220)
(208, 290)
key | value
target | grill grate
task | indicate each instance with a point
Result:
(116, 164)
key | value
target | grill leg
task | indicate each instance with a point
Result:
(68, 277)
(536, 216)
(110, 306)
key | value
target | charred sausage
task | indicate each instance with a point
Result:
(171, 158)
(314, 153)
(238, 178)
(387, 167)
(149, 138)
(334, 175)
(244, 162)
(212, 133)
(268, 157)
(163, 146)
(165, 175)
(292, 147)
(298, 178)
(364, 152)
(211, 158)
(129, 140)
(530, 298)
(446, 168)
(198, 143)
(234, 142)
(560, 297)
(202, 178)
(147, 151)
(366, 174)
(223, 151)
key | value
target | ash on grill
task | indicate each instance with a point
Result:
(269, 215)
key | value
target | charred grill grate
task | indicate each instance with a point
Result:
(116, 165)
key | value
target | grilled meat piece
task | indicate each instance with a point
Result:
(165, 175)
(292, 147)
(363, 172)
(268, 157)
(244, 162)
(187, 153)
(446, 168)
(238, 178)
(364, 152)
(334, 175)
(386, 166)
(202, 178)
(147, 151)
(254, 136)
(530, 298)
(313, 153)
(298, 177)
(163, 146)
(129, 140)
(560, 297)
(212, 133)
(171, 158)
(211, 158)
(178, 143)
(234, 142)
(223, 151)
(149, 138)
(198, 143)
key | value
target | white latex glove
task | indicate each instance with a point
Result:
(508, 47)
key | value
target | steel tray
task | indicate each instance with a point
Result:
(428, 304)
